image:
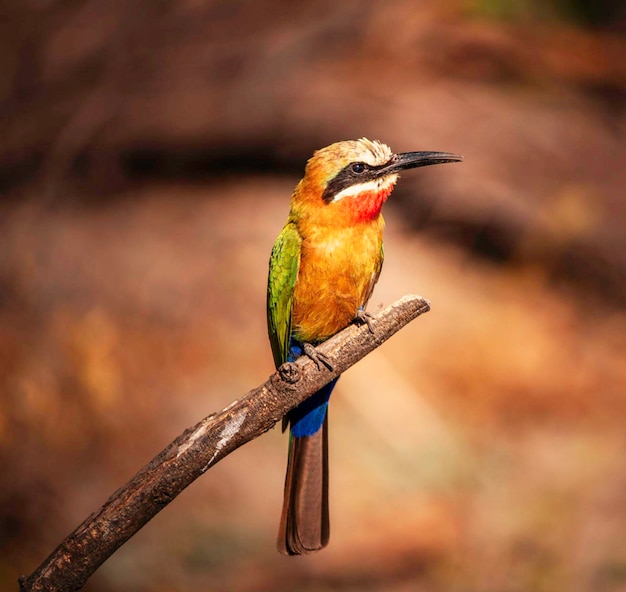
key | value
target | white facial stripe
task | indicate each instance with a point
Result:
(374, 185)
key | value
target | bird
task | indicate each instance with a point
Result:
(323, 268)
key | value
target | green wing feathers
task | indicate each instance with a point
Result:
(284, 263)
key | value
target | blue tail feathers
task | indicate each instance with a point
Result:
(307, 418)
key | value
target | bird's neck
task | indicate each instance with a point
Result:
(362, 207)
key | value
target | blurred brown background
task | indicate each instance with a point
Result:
(147, 157)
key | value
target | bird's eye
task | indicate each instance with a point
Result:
(358, 168)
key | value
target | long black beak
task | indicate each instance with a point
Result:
(412, 160)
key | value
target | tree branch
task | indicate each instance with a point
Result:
(202, 446)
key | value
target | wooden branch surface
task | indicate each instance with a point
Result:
(199, 448)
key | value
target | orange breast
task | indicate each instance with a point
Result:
(338, 270)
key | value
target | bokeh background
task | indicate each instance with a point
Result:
(147, 155)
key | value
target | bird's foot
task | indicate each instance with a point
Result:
(318, 357)
(363, 317)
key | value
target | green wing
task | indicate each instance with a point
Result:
(284, 263)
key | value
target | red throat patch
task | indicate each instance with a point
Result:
(366, 206)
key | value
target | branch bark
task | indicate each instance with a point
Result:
(199, 448)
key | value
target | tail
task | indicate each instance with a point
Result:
(304, 523)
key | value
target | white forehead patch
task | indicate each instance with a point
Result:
(376, 185)
(374, 152)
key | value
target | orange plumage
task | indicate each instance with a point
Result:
(338, 269)
(341, 253)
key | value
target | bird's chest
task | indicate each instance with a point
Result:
(337, 272)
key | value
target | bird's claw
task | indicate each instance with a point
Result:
(363, 317)
(320, 359)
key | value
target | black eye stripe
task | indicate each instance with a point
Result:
(347, 176)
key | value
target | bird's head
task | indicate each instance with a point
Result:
(349, 181)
